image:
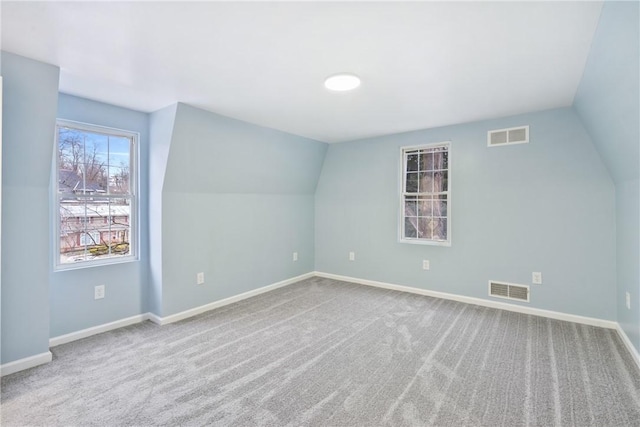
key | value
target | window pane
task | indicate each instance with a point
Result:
(410, 227)
(425, 207)
(439, 228)
(119, 161)
(444, 181)
(426, 182)
(438, 160)
(94, 228)
(424, 228)
(439, 182)
(410, 208)
(412, 162)
(95, 164)
(411, 183)
(89, 238)
(119, 180)
(427, 161)
(68, 181)
(440, 208)
(72, 227)
(120, 227)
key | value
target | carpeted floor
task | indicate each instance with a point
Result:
(322, 352)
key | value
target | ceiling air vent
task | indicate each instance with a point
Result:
(510, 136)
(509, 291)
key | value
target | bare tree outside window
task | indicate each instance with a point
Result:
(425, 194)
(95, 197)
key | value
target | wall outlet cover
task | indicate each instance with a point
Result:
(536, 278)
(200, 278)
(352, 256)
(425, 264)
(628, 300)
(98, 292)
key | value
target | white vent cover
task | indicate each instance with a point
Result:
(509, 291)
(510, 136)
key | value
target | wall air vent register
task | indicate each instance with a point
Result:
(510, 136)
(509, 291)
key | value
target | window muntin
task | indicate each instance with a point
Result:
(425, 201)
(95, 195)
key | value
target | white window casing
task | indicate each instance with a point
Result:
(95, 196)
(425, 194)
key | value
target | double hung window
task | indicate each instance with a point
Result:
(95, 197)
(426, 195)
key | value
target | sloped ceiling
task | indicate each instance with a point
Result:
(422, 64)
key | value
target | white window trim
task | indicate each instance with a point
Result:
(416, 241)
(134, 251)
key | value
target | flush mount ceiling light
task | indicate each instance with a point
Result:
(342, 82)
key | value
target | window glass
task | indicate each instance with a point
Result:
(95, 197)
(425, 201)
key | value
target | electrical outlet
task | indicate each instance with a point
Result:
(200, 278)
(295, 256)
(628, 298)
(352, 256)
(536, 278)
(425, 264)
(98, 292)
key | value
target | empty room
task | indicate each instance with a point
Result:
(320, 213)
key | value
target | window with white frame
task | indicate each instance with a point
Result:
(95, 194)
(426, 195)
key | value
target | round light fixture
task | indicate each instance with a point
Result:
(342, 82)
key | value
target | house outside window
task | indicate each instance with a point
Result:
(425, 202)
(95, 195)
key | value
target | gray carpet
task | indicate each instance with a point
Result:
(322, 352)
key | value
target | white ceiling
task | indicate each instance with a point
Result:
(422, 64)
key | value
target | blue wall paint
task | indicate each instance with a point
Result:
(240, 241)
(30, 95)
(608, 101)
(628, 254)
(215, 154)
(544, 206)
(608, 95)
(237, 202)
(71, 293)
(161, 131)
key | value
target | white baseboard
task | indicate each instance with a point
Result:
(26, 363)
(610, 324)
(40, 359)
(154, 318)
(197, 310)
(627, 342)
(84, 333)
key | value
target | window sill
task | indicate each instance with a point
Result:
(80, 265)
(425, 242)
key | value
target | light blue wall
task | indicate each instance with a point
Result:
(608, 101)
(237, 202)
(544, 206)
(608, 95)
(628, 257)
(161, 130)
(73, 307)
(30, 95)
